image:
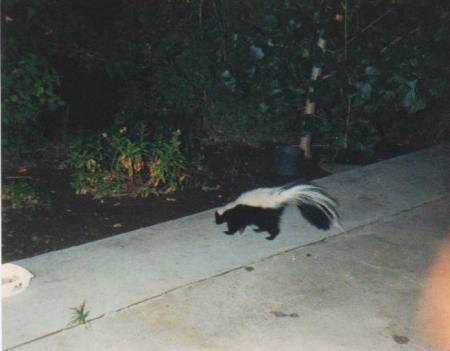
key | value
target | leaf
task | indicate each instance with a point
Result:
(257, 52)
(270, 21)
(362, 94)
(388, 95)
(372, 71)
(229, 80)
(276, 89)
(305, 53)
(251, 71)
(413, 61)
(366, 90)
(281, 314)
(411, 83)
(412, 102)
(292, 25)
(226, 74)
(263, 107)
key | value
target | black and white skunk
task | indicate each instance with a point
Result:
(263, 208)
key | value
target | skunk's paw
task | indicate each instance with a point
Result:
(273, 235)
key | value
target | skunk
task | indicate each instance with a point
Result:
(263, 208)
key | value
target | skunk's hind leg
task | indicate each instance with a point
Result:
(273, 233)
(268, 220)
(270, 225)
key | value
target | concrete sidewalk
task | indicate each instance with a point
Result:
(183, 285)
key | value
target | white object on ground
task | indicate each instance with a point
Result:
(15, 279)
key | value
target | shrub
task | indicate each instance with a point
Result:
(123, 163)
(28, 90)
(381, 61)
(230, 69)
(19, 194)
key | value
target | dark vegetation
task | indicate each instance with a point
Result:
(119, 114)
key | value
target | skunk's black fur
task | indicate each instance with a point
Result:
(239, 217)
(263, 208)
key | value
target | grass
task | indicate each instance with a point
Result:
(79, 315)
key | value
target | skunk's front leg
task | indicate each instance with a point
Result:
(233, 229)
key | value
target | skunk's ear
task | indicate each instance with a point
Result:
(219, 219)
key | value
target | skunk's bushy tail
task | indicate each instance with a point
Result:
(314, 204)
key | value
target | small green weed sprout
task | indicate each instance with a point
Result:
(79, 315)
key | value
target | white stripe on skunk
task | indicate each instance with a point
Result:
(263, 207)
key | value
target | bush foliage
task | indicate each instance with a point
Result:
(121, 163)
(226, 69)
(29, 89)
(21, 193)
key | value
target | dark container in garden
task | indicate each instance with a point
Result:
(287, 160)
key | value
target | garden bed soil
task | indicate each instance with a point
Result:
(64, 219)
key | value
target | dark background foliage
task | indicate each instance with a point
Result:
(222, 70)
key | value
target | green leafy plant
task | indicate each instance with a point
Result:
(168, 164)
(19, 194)
(123, 163)
(79, 315)
(28, 89)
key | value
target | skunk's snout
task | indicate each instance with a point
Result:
(219, 219)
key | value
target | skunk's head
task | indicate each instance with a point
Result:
(220, 217)
(234, 217)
